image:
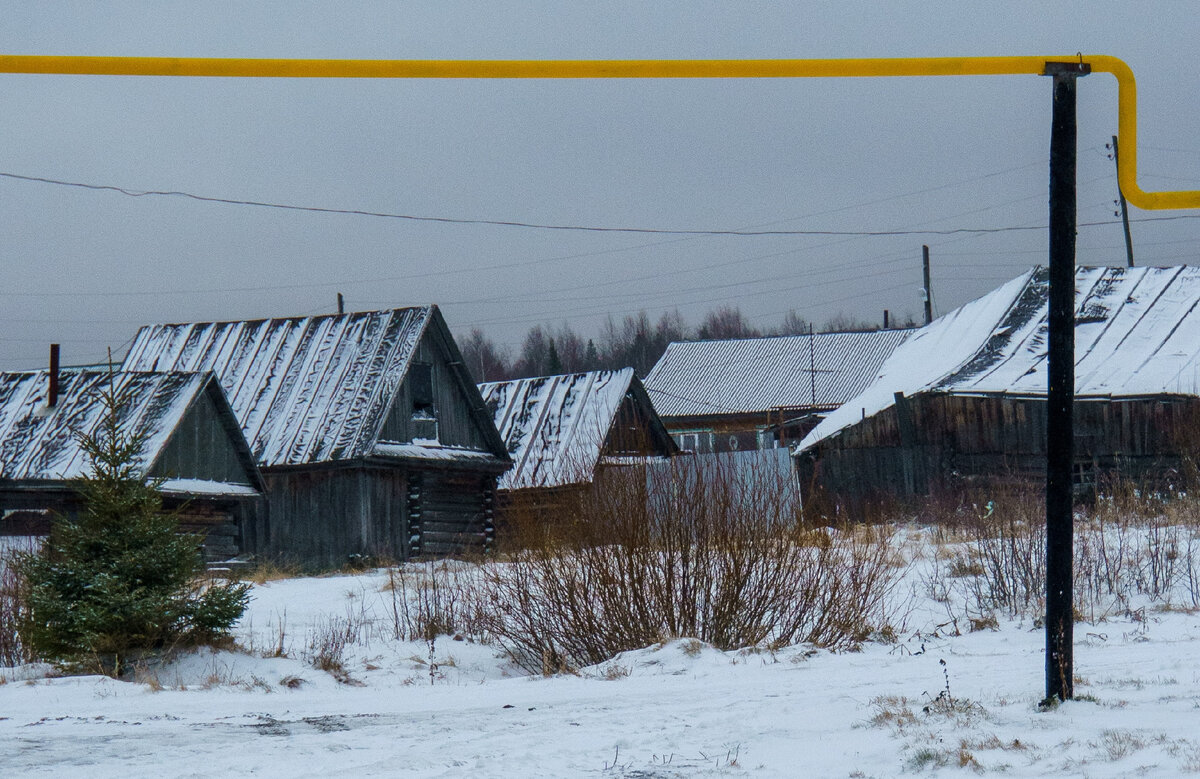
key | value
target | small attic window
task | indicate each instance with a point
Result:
(420, 382)
(424, 416)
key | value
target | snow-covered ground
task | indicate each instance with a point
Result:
(932, 702)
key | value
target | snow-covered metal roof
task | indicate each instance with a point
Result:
(555, 426)
(41, 443)
(750, 375)
(305, 390)
(1137, 334)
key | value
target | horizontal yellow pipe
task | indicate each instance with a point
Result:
(772, 68)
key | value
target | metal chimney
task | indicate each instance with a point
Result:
(52, 394)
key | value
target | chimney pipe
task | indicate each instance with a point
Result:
(52, 395)
(885, 319)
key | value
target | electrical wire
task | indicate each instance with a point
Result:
(534, 225)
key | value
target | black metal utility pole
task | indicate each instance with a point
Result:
(928, 291)
(1060, 432)
(1124, 207)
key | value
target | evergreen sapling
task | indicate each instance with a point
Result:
(118, 580)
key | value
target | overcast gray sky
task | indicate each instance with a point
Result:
(85, 268)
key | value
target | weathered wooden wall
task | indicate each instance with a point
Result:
(632, 434)
(456, 425)
(219, 521)
(324, 517)
(321, 516)
(741, 432)
(217, 525)
(952, 439)
(452, 513)
(202, 447)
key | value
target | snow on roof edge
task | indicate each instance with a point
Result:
(947, 343)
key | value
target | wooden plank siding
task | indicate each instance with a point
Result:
(202, 447)
(325, 517)
(221, 523)
(457, 426)
(972, 439)
(634, 433)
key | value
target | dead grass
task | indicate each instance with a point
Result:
(893, 711)
(1119, 744)
(265, 571)
(327, 643)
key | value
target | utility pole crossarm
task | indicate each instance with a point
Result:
(755, 68)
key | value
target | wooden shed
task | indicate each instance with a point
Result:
(561, 431)
(192, 446)
(964, 399)
(372, 439)
(762, 393)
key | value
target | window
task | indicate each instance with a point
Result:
(420, 382)
(424, 414)
(700, 443)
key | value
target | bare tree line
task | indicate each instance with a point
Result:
(635, 341)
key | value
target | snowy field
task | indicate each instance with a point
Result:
(939, 700)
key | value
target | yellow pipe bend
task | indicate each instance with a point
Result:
(763, 68)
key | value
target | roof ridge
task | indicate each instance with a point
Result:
(257, 320)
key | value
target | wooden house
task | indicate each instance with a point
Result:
(561, 431)
(761, 393)
(370, 435)
(191, 446)
(964, 399)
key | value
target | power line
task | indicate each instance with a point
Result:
(692, 400)
(536, 225)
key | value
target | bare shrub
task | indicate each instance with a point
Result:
(1009, 549)
(433, 599)
(1131, 545)
(327, 643)
(13, 650)
(700, 549)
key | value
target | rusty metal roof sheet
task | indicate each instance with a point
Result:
(1137, 334)
(41, 443)
(555, 426)
(305, 390)
(750, 375)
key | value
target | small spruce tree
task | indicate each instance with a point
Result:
(554, 365)
(119, 579)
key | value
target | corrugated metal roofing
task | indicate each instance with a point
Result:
(38, 443)
(555, 426)
(1137, 333)
(701, 378)
(305, 390)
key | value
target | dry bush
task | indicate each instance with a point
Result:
(698, 548)
(433, 599)
(1007, 539)
(12, 603)
(327, 643)
(1130, 545)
